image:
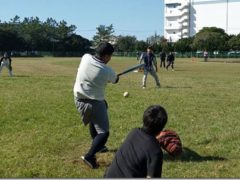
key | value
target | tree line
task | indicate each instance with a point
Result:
(31, 35)
(209, 38)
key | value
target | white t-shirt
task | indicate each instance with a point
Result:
(5, 62)
(92, 78)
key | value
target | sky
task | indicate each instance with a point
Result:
(140, 18)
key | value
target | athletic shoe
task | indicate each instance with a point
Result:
(172, 69)
(144, 87)
(91, 162)
(103, 149)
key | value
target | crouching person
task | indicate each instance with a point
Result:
(7, 62)
(140, 155)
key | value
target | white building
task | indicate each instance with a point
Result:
(184, 18)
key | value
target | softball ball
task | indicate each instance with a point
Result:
(126, 94)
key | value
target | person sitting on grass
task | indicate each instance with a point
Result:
(140, 155)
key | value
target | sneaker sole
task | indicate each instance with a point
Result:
(86, 162)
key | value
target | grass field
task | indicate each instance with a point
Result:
(41, 134)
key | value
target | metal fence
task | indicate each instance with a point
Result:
(230, 54)
(198, 54)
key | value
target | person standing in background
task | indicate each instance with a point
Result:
(149, 60)
(170, 61)
(205, 55)
(7, 62)
(162, 59)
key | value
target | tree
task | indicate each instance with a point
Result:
(141, 46)
(234, 42)
(15, 20)
(184, 45)
(158, 43)
(104, 33)
(155, 39)
(211, 38)
(32, 34)
(10, 41)
(126, 43)
(64, 31)
(77, 43)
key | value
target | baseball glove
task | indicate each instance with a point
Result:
(170, 142)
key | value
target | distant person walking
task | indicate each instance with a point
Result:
(89, 90)
(138, 55)
(205, 55)
(162, 59)
(6, 61)
(170, 61)
(149, 60)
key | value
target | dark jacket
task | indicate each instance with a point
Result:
(139, 156)
(170, 57)
(162, 55)
(149, 60)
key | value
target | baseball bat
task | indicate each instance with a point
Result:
(131, 69)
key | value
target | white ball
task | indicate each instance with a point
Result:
(126, 94)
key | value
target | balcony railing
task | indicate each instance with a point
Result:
(183, 18)
(173, 27)
(184, 5)
(185, 23)
(172, 14)
(185, 11)
(185, 31)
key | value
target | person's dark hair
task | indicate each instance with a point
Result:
(154, 119)
(104, 48)
(149, 47)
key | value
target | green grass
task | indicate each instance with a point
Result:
(41, 134)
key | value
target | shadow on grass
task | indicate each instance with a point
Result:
(112, 150)
(179, 70)
(190, 155)
(174, 87)
(14, 76)
(17, 76)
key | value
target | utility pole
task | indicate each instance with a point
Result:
(227, 18)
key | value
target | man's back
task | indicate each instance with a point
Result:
(163, 55)
(92, 78)
(139, 156)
